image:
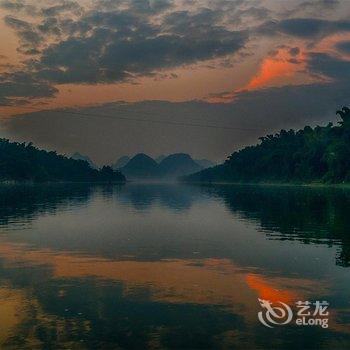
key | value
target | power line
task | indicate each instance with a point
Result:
(151, 121)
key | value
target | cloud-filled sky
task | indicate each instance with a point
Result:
(114, 77)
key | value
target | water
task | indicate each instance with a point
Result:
(170, 266)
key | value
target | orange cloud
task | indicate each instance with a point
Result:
(327, 45)
(271, 71)
(276, 68)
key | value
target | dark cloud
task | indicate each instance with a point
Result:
(136, 6)
(29, 36)
(11, 5)
(121, 45)
(18, 6)
(313, 8)
(150, 6)
(343, 46)
(51, 26)
(329, 66)
(69, 44)
(19, 88)
(294, 61)
(63, 6)
(250, 15)
(56, 7)
(307, 28)
(17, 24)
(320, 4)
(294, 51)
(181, 21)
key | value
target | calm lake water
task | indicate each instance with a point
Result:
(171, 266)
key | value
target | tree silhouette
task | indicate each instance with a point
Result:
(344, 113)
(320, 154)
(24, 162)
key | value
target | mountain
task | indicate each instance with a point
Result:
(320, 154)
(204, 163)
(172, 166)
(160, 158)
(176, 165)
(78, 156)
(24, 162)
(121, 162)
(141, 166)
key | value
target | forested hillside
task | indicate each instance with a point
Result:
(320, 154)
(24, 162)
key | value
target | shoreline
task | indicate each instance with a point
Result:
(271, 184)
(13, 182)
(197, 183)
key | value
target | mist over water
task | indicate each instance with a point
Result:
(170, 266)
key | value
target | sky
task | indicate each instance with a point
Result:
(108, 78)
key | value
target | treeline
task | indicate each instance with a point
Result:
(320, 154)
(24, 162)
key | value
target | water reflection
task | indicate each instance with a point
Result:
(171, 196)
(309, 215)
(23, 203)
(169, 266)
